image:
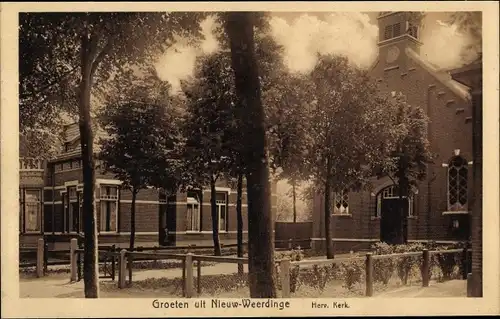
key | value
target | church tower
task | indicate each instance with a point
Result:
(398, 31)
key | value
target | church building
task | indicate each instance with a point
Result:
(440, 208)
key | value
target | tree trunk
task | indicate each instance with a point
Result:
(239, 217)
(328, 221)
(239, 27)
(215, 218)
(90, 260)
(294, 202)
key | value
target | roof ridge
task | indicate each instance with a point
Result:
(444, 77)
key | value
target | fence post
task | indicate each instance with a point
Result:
(241, 268)
(122, 269)
(198, 278)
(39, 257)
(130, 266)
(73, 246)
(369, 275)
(184, 277)
(188, 281)
(465, 263)
(285, 278)
(469, 285)
(425, 268)
(45, 258)
(80, 261)
(113, 262)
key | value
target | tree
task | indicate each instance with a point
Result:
(349, 130)
(142, 135)
(239, 27)
(287, 104)
(269, 61)
(85, 49)
(284, 208)
(209, 129)
(406, 163)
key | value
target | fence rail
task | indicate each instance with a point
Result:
(324, 262)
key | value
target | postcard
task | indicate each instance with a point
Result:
(249, 159)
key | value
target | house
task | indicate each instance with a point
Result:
(440, 209)
(51, 205)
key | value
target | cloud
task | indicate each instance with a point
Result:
(178, 62)
(210, 43)
(176, 65)
(346, 33)
(446, 47)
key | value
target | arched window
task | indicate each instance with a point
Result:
(341, 203)
(457, 184)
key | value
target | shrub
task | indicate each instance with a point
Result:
(351, 273)
(407, 263)
(293, 255)
(447, 263)
(321, 276)
(383, 269)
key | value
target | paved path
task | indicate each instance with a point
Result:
(58, 285)
(452, 288)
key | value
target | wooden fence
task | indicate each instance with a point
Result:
(286, 264)
(120, 259)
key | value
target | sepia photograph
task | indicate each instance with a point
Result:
(211, 161)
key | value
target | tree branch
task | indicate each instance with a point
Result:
(101, 56)
(48, 86)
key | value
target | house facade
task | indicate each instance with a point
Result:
(440, 208)
(51, 206)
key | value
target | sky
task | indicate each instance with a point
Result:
(353, 34)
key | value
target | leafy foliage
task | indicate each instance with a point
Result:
(210, 125)
(287, 100)
(50, 63)
(407, 161)
(348, 123)
(142, 139)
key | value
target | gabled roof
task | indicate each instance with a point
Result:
(72, 132)
(442, 76)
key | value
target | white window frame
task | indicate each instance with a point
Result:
(72, 200)
(105, 198)
(389, 192)
(24, 202)
(195, 222)
(338, 199)
(220, 204)
(457, 206)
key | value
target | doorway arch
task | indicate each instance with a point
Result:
(387, 209)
